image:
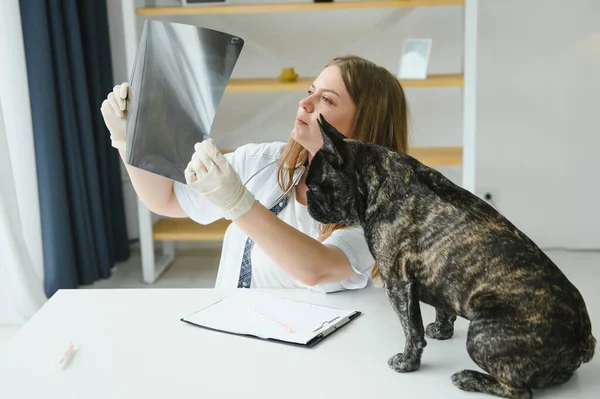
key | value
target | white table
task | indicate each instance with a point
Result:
(133, 345)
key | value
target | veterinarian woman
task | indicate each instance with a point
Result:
(272, 241)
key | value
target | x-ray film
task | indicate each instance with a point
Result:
(179, 77)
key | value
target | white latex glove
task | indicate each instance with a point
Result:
(211, 174)
(115, 116)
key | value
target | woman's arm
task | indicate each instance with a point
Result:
(298, 254)
(155, 191)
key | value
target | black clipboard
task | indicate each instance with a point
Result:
(327, 329)
(317, 339)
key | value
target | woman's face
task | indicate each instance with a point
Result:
(327, 96)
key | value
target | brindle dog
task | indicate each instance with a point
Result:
(437, 243)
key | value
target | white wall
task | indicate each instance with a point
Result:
(538, 128)
(14, 100)
(533, 51)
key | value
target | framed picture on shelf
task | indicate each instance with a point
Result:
(415, 58)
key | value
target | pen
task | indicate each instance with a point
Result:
(66, 358)
(283, 326)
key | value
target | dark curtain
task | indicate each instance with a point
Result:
(81, 200)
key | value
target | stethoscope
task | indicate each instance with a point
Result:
(286, 192)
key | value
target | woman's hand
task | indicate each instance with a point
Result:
(211, 174)
(114, 112)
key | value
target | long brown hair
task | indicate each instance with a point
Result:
(381, 117)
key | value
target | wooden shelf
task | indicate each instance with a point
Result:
(303, 84)
(438, 156)
(187, 230)
(431, 156)
(291, 7)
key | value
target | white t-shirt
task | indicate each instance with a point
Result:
(260, 161)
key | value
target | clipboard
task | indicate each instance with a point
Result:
(249, 313)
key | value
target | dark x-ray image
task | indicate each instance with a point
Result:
(179, 77)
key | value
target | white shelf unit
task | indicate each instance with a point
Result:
(168, 231)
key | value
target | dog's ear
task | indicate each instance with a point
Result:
(333, 142)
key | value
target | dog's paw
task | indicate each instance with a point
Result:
(439, 331)
(404, 364)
